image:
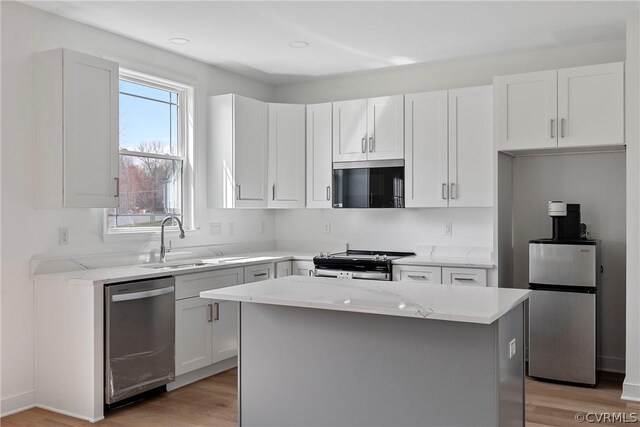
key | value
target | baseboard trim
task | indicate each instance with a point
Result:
(630, 392)
(17, 403)
(202, 373)
(69, 414)
(611, 364)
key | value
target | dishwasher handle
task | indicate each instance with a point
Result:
(143, 294)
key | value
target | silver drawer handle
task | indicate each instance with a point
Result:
(415, 276)
(364, 145)
(259, 274)
(464, 279)
(141, 295)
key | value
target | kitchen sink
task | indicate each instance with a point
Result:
(176, 265)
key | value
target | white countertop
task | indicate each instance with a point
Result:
(137, 272)
(456, 303)
(450, 261)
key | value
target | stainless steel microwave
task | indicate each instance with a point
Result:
(368, 184)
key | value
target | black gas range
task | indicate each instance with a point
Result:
(353, 264)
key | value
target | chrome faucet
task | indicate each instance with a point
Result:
(163, 250)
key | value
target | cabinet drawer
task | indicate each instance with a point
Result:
(190, 285)
(417, 273)
(464, 276)
(258, 272)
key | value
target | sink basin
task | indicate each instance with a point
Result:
(176, 265)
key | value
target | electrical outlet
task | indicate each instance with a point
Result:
(63, 236)
(231, 228)
(327, 227)
(512, 348)
(447, 228)
(263, 227)
(215, 228)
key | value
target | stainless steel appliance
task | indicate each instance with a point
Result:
(377, 184)
(564, 276)
(354, 264)
(139, 337)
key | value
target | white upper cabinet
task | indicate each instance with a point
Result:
(319, 166)
(237, 152)
(350, 130)
(287, 155)
(449, 148)
(76, 130)
(591, 105)
(426, 149)
(368, 129)
(526, 108)
(571, 107)
(471, 147)
(385, 124)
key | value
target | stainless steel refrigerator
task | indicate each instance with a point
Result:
(564, 277)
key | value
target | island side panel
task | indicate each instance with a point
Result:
(511, 368)
(311, 367)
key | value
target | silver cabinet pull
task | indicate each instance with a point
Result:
(416, 276)
(453, 190)
(259, 274)
(371, 146)
(328, 193)
(217, 311)
(273, 190)
(464, 279)
(238, 192)
(364, 145)
(117, 186)
(552, 121)
(562, 122)
(209, 313)
(444, 191)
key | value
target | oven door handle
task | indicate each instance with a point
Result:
(370, 275)
(322, 272)
(141, 295)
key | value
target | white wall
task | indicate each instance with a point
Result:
(597, 183)
(26, 231)
(631, 388)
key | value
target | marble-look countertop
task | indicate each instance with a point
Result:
(428, 260)
(144, 271)
(456, 303)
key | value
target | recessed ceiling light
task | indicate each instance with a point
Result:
(299, 44)
(179, 40)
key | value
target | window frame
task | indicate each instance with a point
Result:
(184, 153)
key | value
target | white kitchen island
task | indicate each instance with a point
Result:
(319, 352)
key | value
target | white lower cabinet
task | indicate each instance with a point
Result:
(303, 268)
(464, 276)
(259, 272)
(425, 274)
(284, 268)
(206, 330)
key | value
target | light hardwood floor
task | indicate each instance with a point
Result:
(213, 402)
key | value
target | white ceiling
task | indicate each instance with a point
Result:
(252, 38)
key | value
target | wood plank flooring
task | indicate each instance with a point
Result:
(213, 402)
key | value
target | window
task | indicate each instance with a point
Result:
(153, 153)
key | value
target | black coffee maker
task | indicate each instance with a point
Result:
(566, 220)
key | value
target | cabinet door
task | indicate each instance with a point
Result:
(464, 276)
(303, 268)
(319, 155)
(471, 147)
(283, 268)
(90, 105)
(385, 123)
(194, 319)
(591, 105)
(250, 152)
(350, 130)
(286, 155)
(425, 169)
(258, 272)
(527, 109)
(225, 330)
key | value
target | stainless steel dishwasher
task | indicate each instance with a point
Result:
(139, 337)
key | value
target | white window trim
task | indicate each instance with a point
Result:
(186, 101)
